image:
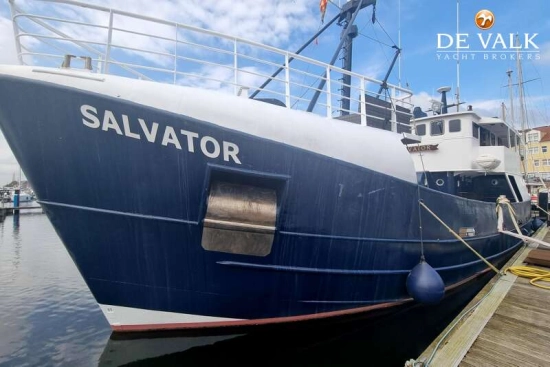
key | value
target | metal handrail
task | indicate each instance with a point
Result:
(235, 58)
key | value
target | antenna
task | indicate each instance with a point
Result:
(399, 42)
(443, 91)
(457, 60)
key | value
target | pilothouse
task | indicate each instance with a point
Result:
(464, 154)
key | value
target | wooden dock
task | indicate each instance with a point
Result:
(510, 327)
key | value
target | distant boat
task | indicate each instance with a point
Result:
(184, 207)
(23, 197)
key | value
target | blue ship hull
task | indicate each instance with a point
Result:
(131, 215)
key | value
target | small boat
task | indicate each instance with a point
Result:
(248, 205)
(23, 197)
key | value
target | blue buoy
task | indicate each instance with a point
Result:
(424, 284)
(536, 223)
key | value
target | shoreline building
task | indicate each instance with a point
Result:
(536, 161)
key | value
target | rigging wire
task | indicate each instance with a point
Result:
(375, 40)
(308, 89)
(419, 197)
(381, 26)
(422, 258)
(380, 43)
(306, 73)
(333, 3)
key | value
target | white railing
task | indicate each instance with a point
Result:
(142, 47)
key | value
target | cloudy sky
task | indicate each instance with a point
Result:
(287, 24)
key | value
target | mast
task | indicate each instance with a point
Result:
(521, 100)
(457, 60)
(522, 110)
(350, 32)
(399, 42)
(353, 6)
(511, 93)
(319, 32)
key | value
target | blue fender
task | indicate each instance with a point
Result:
(536, 224)
(424, 284)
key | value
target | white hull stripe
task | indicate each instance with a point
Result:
(124, 316)
(359, 145)
(125, 319)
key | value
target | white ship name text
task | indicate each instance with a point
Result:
(207, 145)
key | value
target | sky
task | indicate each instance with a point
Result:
(423, 66)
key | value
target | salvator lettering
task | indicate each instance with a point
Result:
(138, 128)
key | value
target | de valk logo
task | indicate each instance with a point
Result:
(485, 19)
(487, 44)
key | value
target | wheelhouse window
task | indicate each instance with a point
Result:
(493, 140)
(485, 137)
(421, 129)
(454, 126)
(475, 130)
(512, 140)
(437, 128)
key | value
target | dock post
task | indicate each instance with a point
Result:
(16, 200)
(15, 208)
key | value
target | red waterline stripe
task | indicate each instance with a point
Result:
(276, 320)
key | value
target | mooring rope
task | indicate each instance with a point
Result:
(535, 274)
(502, 200)
(537, 205)
(460, 238)
(500, 225)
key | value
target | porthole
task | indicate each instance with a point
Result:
(494, 182)
(439, 182)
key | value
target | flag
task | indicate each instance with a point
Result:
(323, 9)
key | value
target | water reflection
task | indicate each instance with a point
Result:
(356, 344)
(154, 349)
(15, 222)
(16, 242)
(47, 314)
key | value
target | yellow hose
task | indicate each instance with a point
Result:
(535, 274)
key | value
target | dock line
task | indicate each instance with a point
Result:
(459, 238)
(526, 238)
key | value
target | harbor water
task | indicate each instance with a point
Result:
(48, 317)
(47, 314)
